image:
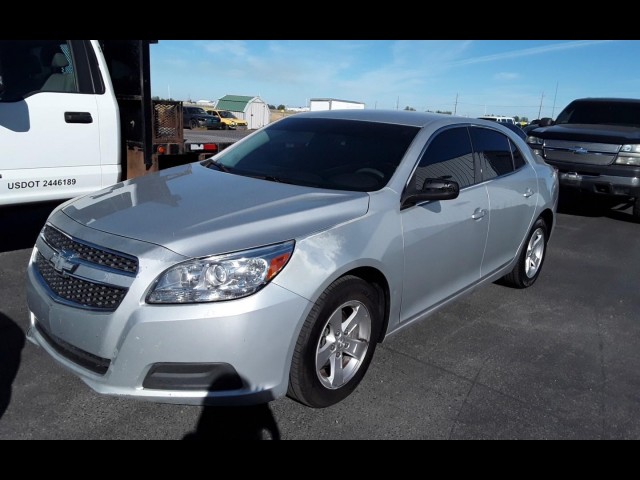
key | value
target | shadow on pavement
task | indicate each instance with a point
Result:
(11, 343)
(592, 205)
(236, 423)
(21, 224)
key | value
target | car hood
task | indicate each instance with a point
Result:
(197, 211)
(590, 133)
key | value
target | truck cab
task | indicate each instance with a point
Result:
(59, 121)
(77, 116)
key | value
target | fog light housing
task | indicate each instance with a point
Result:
(212, 377)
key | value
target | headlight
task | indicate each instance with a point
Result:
(221, 277)
(535, 140)
(633, 160)
(630, 149)
(629, 155)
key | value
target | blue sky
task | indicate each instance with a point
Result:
(502, 77)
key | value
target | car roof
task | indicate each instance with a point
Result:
(400, 117)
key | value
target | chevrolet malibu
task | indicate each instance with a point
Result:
(276, 267)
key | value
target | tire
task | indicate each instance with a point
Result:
(315, 378)
(636, 210)
(527, 269)
(193, 124)
(225, 126)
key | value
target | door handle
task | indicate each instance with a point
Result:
(78, 117)
(527, 193)
(478, 214)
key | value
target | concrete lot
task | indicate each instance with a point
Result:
(557, 361)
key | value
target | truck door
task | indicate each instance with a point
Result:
(50, 121)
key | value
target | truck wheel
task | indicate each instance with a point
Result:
(336, 343)
(193, 124)
(527, 269)
(636, 209)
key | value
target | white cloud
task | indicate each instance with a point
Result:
(555, 47)
(236, 48)
(506, 76)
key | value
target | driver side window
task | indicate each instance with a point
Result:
(449, 156)
(31, 66)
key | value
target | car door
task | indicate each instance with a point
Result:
(444, 240)
(512, 187)
(49, 117)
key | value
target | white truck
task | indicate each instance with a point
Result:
(318, 104)
(77, 116)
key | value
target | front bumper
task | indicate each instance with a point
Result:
(248, 341)
(609, 180)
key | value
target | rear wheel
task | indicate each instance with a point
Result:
(636, 209)
(336, 343)
(527, 269)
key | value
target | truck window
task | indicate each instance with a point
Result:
(33, 66)
(601, 113)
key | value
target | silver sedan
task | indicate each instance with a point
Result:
(277, 266)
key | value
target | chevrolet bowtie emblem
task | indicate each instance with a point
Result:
(579, 150)
(63, 262)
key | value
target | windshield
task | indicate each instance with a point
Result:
(601, 113)
(225, 114)
(325, 153)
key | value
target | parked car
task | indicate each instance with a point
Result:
(538, 122)
(228, 119)
(277, 266)
(595, 145)
(511, 126)
(499, 119)
(194, 117)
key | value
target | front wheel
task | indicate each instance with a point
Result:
(527, 269)
(193, 124)
(336, 343)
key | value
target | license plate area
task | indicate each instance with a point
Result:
(571, 177)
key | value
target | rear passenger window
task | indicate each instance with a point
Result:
(494, 152)
(518, 159)
(30, 66)
(449, 156)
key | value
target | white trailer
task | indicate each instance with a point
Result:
(318, 104)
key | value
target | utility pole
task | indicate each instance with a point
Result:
(540, 110)
(398, 102)
(554, 101)
(455, 108)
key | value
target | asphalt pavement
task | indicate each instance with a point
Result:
(559, 360)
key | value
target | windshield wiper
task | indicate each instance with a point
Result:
(217, 165)
(269, 178)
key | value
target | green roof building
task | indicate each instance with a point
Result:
(252, 109)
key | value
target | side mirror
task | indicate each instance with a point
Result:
(546, 121)
(433, 189)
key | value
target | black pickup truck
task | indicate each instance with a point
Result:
(595, 145)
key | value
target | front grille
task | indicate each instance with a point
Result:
(590, 153)
(590, 146)
(87, 360)
(78, 291)
(116, 261)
